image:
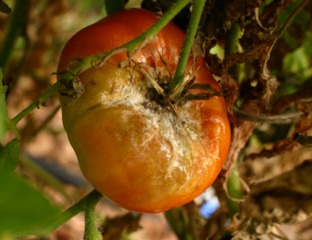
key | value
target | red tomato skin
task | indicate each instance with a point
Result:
(120, 28)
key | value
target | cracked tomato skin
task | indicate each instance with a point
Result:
(143, 155)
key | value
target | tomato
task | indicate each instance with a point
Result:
(133, 146)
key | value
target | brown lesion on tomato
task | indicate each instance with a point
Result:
(71, 90)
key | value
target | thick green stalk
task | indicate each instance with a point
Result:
(176, 86)
(91, 229)
(70, 212)
(232, 39)
(235, 192)
(231, 47)
(90, 61)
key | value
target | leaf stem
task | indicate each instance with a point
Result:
(41, 100)
(176, 86)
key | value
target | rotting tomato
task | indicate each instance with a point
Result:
(131, 145)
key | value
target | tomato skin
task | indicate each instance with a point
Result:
(142, 157)
(120, 28)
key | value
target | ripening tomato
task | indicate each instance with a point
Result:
(134, 146)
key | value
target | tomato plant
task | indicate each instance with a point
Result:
(143, 111)
(138, 142)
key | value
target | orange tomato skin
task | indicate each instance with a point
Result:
(144, 158)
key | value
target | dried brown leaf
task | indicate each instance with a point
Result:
(286, 198)
(115, 228)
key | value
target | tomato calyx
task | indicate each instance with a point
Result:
(192, 91)
(161, 93)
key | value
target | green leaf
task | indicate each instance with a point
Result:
(9, 155)
(23, 209)
(297, 62)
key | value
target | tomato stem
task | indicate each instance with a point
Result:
(176, 86)
(93, 197)
(155, 28)
(232, 39)
(91, 230)
(234, 191)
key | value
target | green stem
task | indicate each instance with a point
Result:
(233, 183)
(178, 220)
(42, 99)
(78, 207)
(45, 122)
(90, 61)
(91, 229)
(232, 39)
(231, 46)
(235, 191)
(176, 86)
(17, 22)
(5, 123)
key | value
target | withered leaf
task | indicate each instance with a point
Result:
(115, 228)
